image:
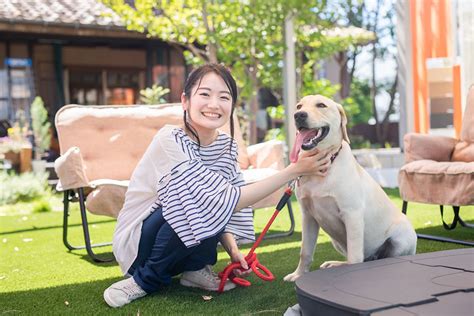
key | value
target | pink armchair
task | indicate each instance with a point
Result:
(440, 170)
(101, 145)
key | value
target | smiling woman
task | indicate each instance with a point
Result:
(187, 193)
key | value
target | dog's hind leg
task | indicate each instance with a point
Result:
(402, 242)
(386, 250)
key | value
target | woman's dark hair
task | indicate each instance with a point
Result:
(195, 78)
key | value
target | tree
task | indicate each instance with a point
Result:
(351, 13)
(382, 48)
(377, 17)
(245, 35)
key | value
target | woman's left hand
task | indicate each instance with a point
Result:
(239, 257)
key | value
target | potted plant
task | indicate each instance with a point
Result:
(15, 147)
(153, 95)
(42, 137)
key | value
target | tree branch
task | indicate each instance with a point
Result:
(211, 45)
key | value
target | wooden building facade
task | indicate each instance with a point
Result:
(81, 53)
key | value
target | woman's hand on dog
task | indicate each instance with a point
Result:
(313, 162)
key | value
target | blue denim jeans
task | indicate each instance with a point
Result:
(161, 254)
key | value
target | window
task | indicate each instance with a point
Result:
(103, 86)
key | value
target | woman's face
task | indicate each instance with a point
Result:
(210, 104)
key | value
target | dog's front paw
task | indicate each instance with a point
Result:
(292, 277)
(332, 264)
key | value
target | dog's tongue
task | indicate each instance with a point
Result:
(300, 137)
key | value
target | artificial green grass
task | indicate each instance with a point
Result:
(38, 276)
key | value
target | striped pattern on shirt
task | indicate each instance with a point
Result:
(199, 195)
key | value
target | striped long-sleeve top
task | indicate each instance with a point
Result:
(197, 187)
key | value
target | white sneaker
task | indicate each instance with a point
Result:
(204, 279)
(123, 292)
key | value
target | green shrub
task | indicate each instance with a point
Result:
(42, 206)
(24, 187)
(279, 133)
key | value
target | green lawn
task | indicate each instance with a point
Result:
(38, 276)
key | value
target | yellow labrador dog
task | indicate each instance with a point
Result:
(347, 203)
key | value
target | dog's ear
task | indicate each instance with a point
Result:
(343, 123)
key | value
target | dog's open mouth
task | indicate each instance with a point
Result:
(310, 138)
(307, 139)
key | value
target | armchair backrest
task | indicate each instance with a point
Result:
(467, 131)
(112, 139)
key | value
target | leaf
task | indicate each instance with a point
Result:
(207, 297)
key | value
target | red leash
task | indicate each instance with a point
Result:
(251, 258)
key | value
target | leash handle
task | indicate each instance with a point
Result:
(267, 275)
(259, 269)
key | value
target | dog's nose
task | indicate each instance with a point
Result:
(300, 117)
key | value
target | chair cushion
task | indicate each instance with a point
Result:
(254, 175)
(107, 198)
(243, 158)
(423, 146)
(444, 183)
(70, 170)
(463, 151)
(467, 131)
(112, 139)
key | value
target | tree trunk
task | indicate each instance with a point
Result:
(253, 106)
(344, 78)
(373, 90)
(211, 46)
(386, 119)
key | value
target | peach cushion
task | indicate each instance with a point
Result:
(254, 175)
(269, 154)
(420, 146)
(125, 133)
(467, 132)
(444, 183)
(243, 157)
(106, 199)
(463, 151)
(70, 170)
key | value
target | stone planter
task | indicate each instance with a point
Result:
(20, 161)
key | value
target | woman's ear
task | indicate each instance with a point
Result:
(184, 102)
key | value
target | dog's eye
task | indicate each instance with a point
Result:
(321, 105)
(298, 106)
